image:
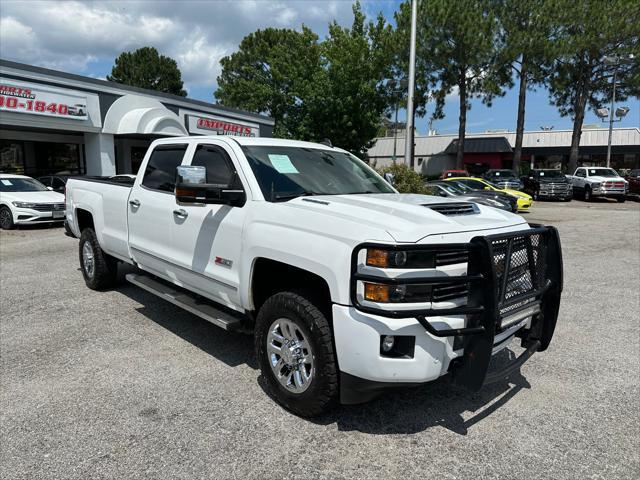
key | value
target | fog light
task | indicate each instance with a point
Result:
(387, 343)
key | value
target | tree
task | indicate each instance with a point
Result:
(405, 179)
(350, 97)
(528, 29)
(590, 31)
(272, 72)
(146, 68)
(334, 89)
(458, 48)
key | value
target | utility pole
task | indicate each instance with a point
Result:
(613, 102)
(408, 140)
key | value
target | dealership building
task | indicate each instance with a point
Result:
(56, 122)
(494, 149)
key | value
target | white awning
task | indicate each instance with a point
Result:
(135, 114)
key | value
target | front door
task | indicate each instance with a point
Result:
(207, 239)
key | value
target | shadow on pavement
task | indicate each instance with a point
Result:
(408, 410)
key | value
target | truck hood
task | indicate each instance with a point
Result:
(34, 197)
(405, 217)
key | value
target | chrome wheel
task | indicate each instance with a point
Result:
(88, 260)
(290, 355)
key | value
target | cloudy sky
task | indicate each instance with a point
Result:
(85, 37)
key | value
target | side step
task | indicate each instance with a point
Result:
(182, 299)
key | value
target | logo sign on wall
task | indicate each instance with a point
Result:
(221, 126)
(18, 98)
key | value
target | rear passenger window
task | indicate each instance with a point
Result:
(160, 173)
(217, 162)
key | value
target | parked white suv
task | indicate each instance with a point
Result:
(24, 200)
(348, 286)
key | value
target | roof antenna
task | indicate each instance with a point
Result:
(326, 142)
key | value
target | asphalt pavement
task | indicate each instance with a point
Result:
(122, 385)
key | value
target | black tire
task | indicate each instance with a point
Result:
(104, 271)
(587, 194)
(536, 195)
(621, 199)
(6, 218)
(322, 392)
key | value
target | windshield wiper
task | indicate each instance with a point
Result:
(359, 193)
(289, 196)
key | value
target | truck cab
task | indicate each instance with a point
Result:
(347, 286)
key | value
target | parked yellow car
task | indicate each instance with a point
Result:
(524, 201)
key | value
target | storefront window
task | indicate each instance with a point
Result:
(58, 158)
(11, 157)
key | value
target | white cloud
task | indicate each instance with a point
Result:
(74, 36)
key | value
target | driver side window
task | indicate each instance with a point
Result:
(220, 170)
(580, 173)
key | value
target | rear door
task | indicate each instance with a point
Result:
(151, 210)
(207, 239)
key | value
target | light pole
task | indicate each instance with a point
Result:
(408, 140)
(615, 62)
(397, 92)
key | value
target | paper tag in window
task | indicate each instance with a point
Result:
(282, 163)
(6, 182)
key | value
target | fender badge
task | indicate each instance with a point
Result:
(223, 261)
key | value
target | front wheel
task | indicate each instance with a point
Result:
(621, 199)
(98, 269)
(6, 218)
(587, 195)
(295, 352)
(536, 195)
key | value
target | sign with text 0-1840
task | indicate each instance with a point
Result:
(41, 101)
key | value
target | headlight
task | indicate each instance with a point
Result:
(596, 185)
(381, 293)
(377, 257)
(23, 204)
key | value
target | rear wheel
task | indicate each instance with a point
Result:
(6, 218)
(295, 352)
(98, 269)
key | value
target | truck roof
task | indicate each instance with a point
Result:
(276, 142)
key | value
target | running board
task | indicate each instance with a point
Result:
(182, 299)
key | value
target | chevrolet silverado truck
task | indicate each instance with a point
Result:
(347, 286)
(603, 182)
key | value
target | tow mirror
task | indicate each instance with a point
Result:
(192, 187)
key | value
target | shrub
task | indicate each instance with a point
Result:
(406, 179)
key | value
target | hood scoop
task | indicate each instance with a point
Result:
(454, 208)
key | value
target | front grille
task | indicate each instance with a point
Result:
(442, 293)
(451, 258)
(450, 209)
(526, 269)
(48, 207)
(611, 184)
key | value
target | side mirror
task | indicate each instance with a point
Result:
(487, 188)
(50, 189)
(191, 187)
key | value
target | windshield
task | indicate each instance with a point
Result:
(21, 185)
(452, 189)
(549, 174)
(288, 172)
(461, 186)
(498, 174)
(602, 172)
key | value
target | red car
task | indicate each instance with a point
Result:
(453, 173)
(633, 177)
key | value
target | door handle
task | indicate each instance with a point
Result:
(134, 203)
(182, 213)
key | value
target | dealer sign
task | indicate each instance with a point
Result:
(20, 98)
(211, 125)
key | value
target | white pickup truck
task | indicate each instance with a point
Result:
(593, 182)
(348, 286)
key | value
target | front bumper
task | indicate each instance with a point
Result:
(524, 203)
(555, 195)
(459, 340)
(608, 192)
(23, 216)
